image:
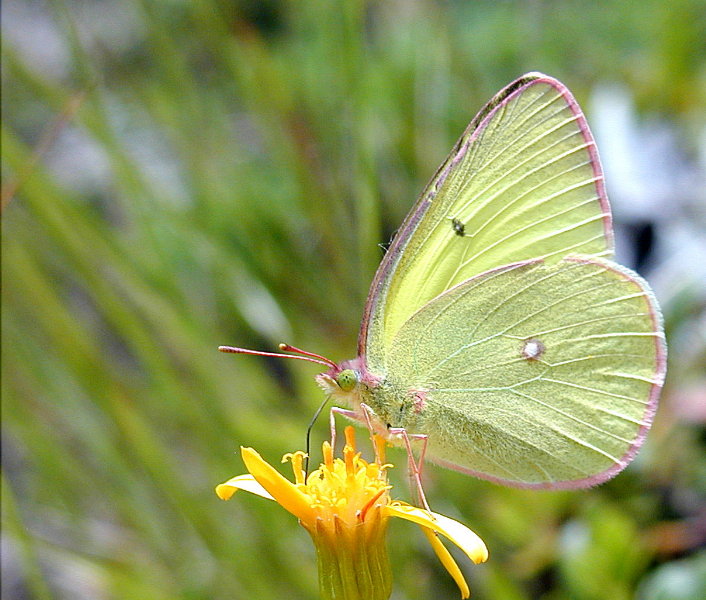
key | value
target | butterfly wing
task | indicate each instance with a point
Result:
(523, 182)
(496, 323)
(534, 374)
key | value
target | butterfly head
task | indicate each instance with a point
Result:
(348, 381)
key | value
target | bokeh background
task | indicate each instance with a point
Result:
(179, 175)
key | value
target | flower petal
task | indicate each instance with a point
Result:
(282, 490)
(458, 533)
(242, 482)
(448, 562)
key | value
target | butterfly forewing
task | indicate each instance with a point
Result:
(523, 182)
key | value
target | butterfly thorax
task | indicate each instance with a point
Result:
(391, 404)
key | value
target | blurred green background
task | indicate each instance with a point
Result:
(179, 175)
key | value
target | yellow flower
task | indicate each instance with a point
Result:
(345, 506)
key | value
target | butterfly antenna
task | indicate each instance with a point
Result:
(308, 356)
(288, 348)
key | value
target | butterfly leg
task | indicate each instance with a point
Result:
(370, 417)
(415, 468)
(351, 414)
(423, 438)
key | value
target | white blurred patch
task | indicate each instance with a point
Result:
(574, 538)
(260, 309)
(32, 30)
(652, 177)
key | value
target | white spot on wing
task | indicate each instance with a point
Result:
(532, 349)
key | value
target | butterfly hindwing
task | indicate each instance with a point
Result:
(534, 374)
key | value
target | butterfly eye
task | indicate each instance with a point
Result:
(347, 379)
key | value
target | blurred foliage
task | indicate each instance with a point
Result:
(181, 175)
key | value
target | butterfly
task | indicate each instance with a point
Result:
(497, 327)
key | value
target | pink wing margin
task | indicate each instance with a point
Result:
(476, 126)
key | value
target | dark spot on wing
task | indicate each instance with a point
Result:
(458, 227)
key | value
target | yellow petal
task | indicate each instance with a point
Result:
(242, 482)
(458, 533)
(281, 489)
(448, 562)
